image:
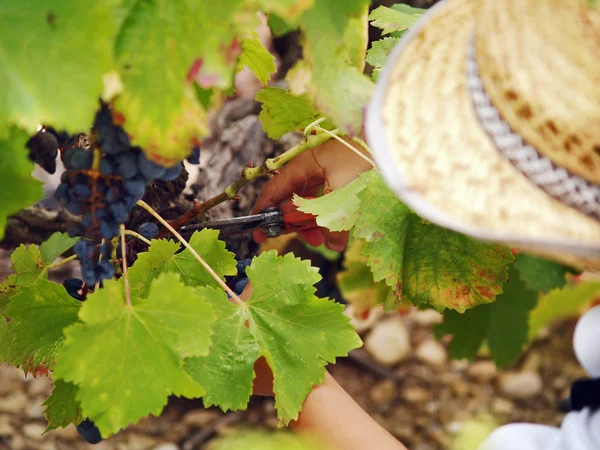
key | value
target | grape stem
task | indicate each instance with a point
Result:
(139, 236)
(185, 243)
(250, 173)
(366, 158)
(124, 261)
(61, 262)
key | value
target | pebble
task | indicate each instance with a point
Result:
(483, 371)
(432, 352)
(384, 392)
(34, 430)
(502, 406)
(388, 342)
(200, 417)
(6, 428)
(69, 433)
(521, 384)
(426, 317)
(35, 410)
(40, 385)
(416, 394)
(166, 446)
(362, 325)
(13, 403)
(137, 441)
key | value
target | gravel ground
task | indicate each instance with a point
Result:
(423, 400)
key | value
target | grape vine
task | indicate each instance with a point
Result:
(127, 98)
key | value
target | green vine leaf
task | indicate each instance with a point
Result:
(504, 324)
(295, 331)
(127, 360)
(282, 112)
(257, 58)
(64, 94)
(568, 302)
(379, 52)
(27, 265)
(19, 189)
(394, 19)
(335, 48)
(56, 245)
(62, 407)
(39, 312)
(540, 274)
(290, 9)
(417, 259)
(163, 257)
(188, 40)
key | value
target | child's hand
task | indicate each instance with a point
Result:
(330, 165)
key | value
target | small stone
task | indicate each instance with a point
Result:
(34, 430)
(69, 433)
(427, 317)
(388, 342)
(431, 352)
(140, 442)
(200, 417)
(559, 383)
(502, 406)
(483, 371)
(416, 394)
(521, 384)
(39, 386)
(6, 428)
(362, 324)
(13, 403)
(166, 446)
(35, 410)
(384, 392)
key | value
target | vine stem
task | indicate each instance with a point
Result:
(366, 158)
(250, 173)
(185, 243)
(124, 261)
(363, 144)
(139, 236)
(60, 263)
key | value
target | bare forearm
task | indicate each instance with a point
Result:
(333, 417)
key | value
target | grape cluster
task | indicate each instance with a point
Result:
(89, 431)
(43, 147)
(238, 283)
(102, 187)
(73, 286)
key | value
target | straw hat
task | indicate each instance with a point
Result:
(486, 120)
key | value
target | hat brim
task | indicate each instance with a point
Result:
(433, 153)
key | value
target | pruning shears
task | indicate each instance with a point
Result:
(274, 221)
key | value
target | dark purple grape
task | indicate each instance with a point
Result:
(86, 221)
(241, 266)
(84, 249)
(134, 187)
(150, 170)
(75, 230)
(74, 207)
(88, 431)
(118, 211)
(73, 286)
(130, 200)
(80, 192)
(43, 150)
(171, 173)
(194, 158)
(149, 230)
(61, 192)
(109, 229)
(88, 273)
(106, 167)
(127, 164)
(240, 285)
(105, 269)
(80, 159)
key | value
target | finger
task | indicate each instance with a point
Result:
(259, 236)
(312, 237)
(335, 240)
(263, 382)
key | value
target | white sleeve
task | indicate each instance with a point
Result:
(523, 436)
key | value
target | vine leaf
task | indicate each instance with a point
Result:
(257, 58)
(504, 324)
(282, 112)
(379, 52)
(160, 106)
(290, 9)
(570, 301)
(62, 407)
(335, 47)
(337, 210)
(76, 58)
(540, 274)
(56, 245)
(417, 259)
(28, 267)
(127, 360)
(356, 284)
(394, 19)
(19, 189)
(39, 312)
(296, 332)
(163, 257)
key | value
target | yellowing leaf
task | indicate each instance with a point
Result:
(257, 58)
(390, 19)
(62, 407)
